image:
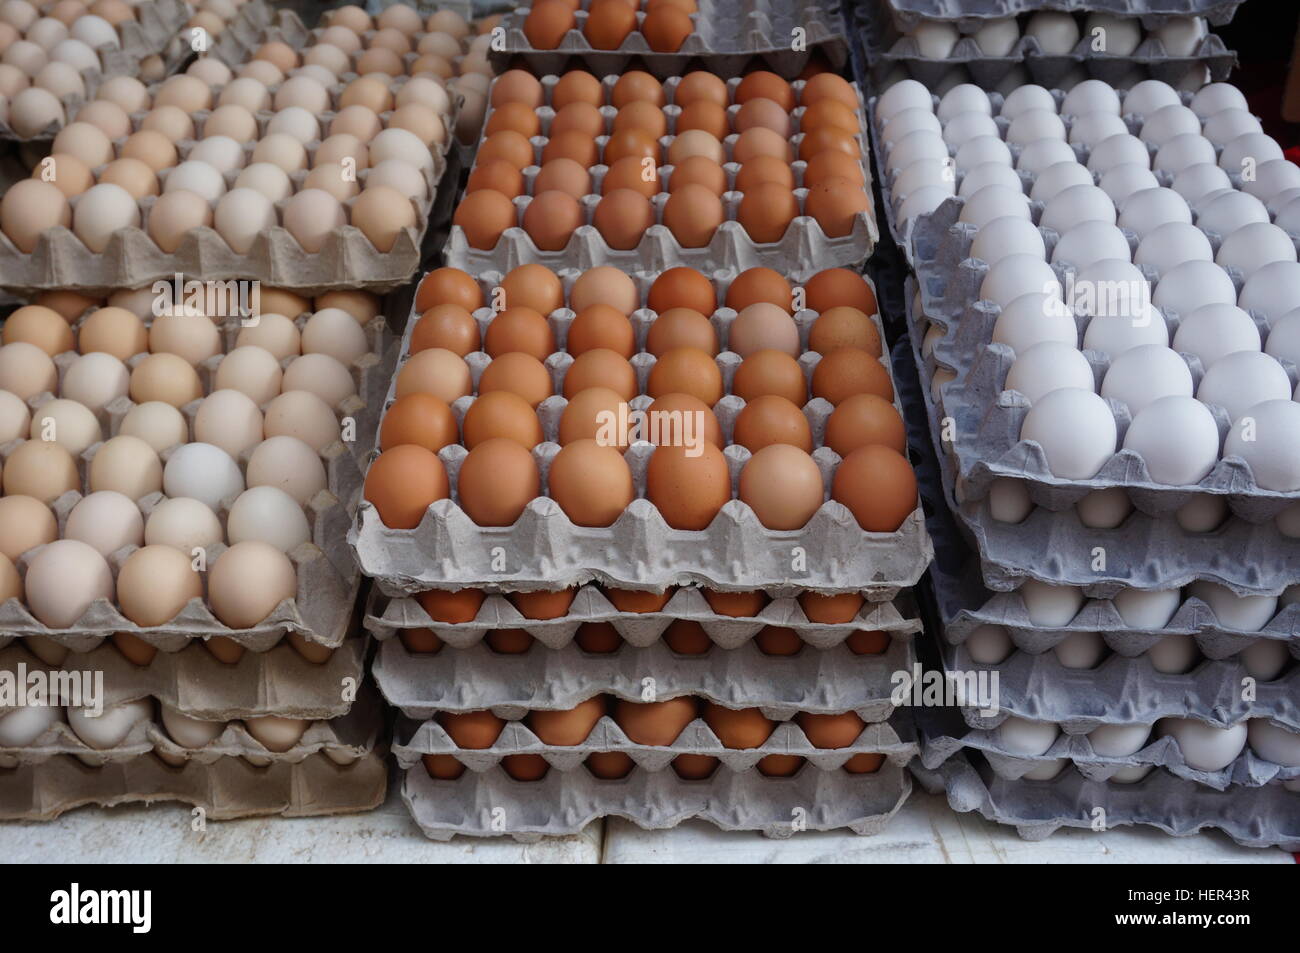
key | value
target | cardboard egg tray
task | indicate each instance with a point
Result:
(735, 797)
(153, 32)
(804, 246)
(1253, 817)
(545, 550)
(970, 13)
(348, 259)
(342, 740)
(731, 37)
(192, 681)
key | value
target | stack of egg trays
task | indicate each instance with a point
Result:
(155, 28)
(885, 51)
(803, 248)
(338, 766)
(968, 13)
(545, 550)
(731, 37)
(132, 259)
(736, 796)
(1250, 555)
(1252, 816)
(328, 580)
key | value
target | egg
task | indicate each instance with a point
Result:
(109, 728)
(288, 463)
(498, 414)
(878, 487)
(1176, 437)
(155, 583)
(203, 472)
(29, 208)
(591, 483)
(688, 488)
(107, 521)
(41, 469)
(1205, 747)
(497, 480)
(783, 485)
(693, 214)
(520, 373)
(63, 579)
(686, 370)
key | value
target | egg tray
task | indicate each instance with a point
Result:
(545, 550)
(803, 248)
(352, 735)
(731, 37)
(225, 789)
(255, 23)
(195, 683)
(970, 14)
(1145, 551)
(1253, 817)
(565, 802)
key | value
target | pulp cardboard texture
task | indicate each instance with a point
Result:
(729, 36)
(132, 259)
(256, 23)
(544, 550)
(564, 802)
(193, 682)
(343, 740)
(803, 249)
(1253, 817)
(156, 25)
(971, 13)
(990, 419)
(1054, 546)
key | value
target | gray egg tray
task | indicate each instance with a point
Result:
(193, 682)
(803, 248)
(545, 550)
(1253, 817)
(564, 802)
(730, 35)
(256, 23)
(970, 13)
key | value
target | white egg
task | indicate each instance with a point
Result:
(269, 515)
(1121, 181)
(1272, 177)
(1009, 235)
(1227, 124)
(200, 178)
(1143, 375)
(1203, 513)
(994, 201)
(1167, 246)
(1266, 659)
(907, 122)
(1148, 96)
(277, 733)
(1239, 381)
(1035, 124)
(1273, 450)
(1080, 650)
(1026, 97)
(1204, 747)
(1091, 128)
(1145, 211)
(1192, 284)
(1056, 32)
(1009, 500)
(1015, 275)
(1104, 509)
(1182, 151)
(1050, 606)
(1090, 242)
(1148, 610)
(989, 644)
(1284, 338)
(109, 728)
(904, 95)
(1076, 430)
(1174, 655)
(990, 173)
(1112, 35)
(982, 149)
(101, 212)
(1167, 122)
(1075, 204)
(220, 152)
(1117, 331)
(1035, 318)
(1275, 204)
(1216, 97)
(241, 215)
(1057, 177)
(1043, 153)
(1020, 736)
(190, 732)
(1231, 211)
(1120, 149)
(923, 201)
(1049, 366)
(1272, 742)
(202, 472)
(997, 36)
(183, 524)
(1250, 150)
(921, 144)
(1215, 330)
(1243, 613)
(967, 126)
(106, 521)
(21, 726)
(918, 175)
(1288, 521)
(1119, 741)
(935, 39)
(1091, 95)
(1046, 771)
(1197, 180)
(965, 98)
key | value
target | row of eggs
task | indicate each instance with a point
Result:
(665, 24)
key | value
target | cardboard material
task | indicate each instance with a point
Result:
(970, 13)
(731, 37)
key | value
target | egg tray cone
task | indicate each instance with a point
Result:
(731, 37)
(970, 14)
(354, 734)
(257, 22)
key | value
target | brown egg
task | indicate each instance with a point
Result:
(69, 173)
(497, 175)
(834, 609)
(637, 84)
(830, 166)
(70, 304)
(114, 331)
(448, 326)
(134, 649)
(700, 86)
(782, 485)
(591, 483)
(682, 287)
(435, 371)
(681, 327)
(770, 372)
(452, 606)
(521, 374)
(737, 605)
(835, 204)
(862, 420)
(533, 286)
(598, 638)
(551, 218)
(849, 371)
(683, 420)
(517, 86)
(519, 329)
(383, 214)
(686, 370)
(698, 172)
(704, 114)
(643, 117)
(165, 377)
(563, 175)
(839, 287)
(571, 144)
(567, 728)
(687, 637)
(762, 169)
(695, 767)
(829, 112)
(29, 208)
(632, 173)
(513, 117)
(25, 523)
(420, 642)
(632, 142)
(739, 728)
(473, 730)
(595, 413)
(509, 641)
(636, 600)
(761, 141)
(829, 139)
(547, 22)
(831, 731)
(693, 214)
(622, 216)
(155, 583)
(778, 640)
(608, 24)
(601, 326)
(601, 367)
(448, 286)
(420, 419)
(577, 86)
(151, 147)
(759, 284)
(666, 28)
(828, 86)
(604, 284)
(762, 326)
(609, 765)
(38, 325)
(498, 478)
(502, 414)
(763, 112)
(402, 482)
(770, 419)
(762, 84)
(543, 604)
(841, 327)
(688, 490)
(878, 486)
(767, 211)
(655, 724)
(581, 117)
(508, 146)
(41, 469)
(864, 642)
(695, 142)
(483, 216)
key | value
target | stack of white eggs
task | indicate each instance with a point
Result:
(1100, 187)
(1204, 747)
(240, 466)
